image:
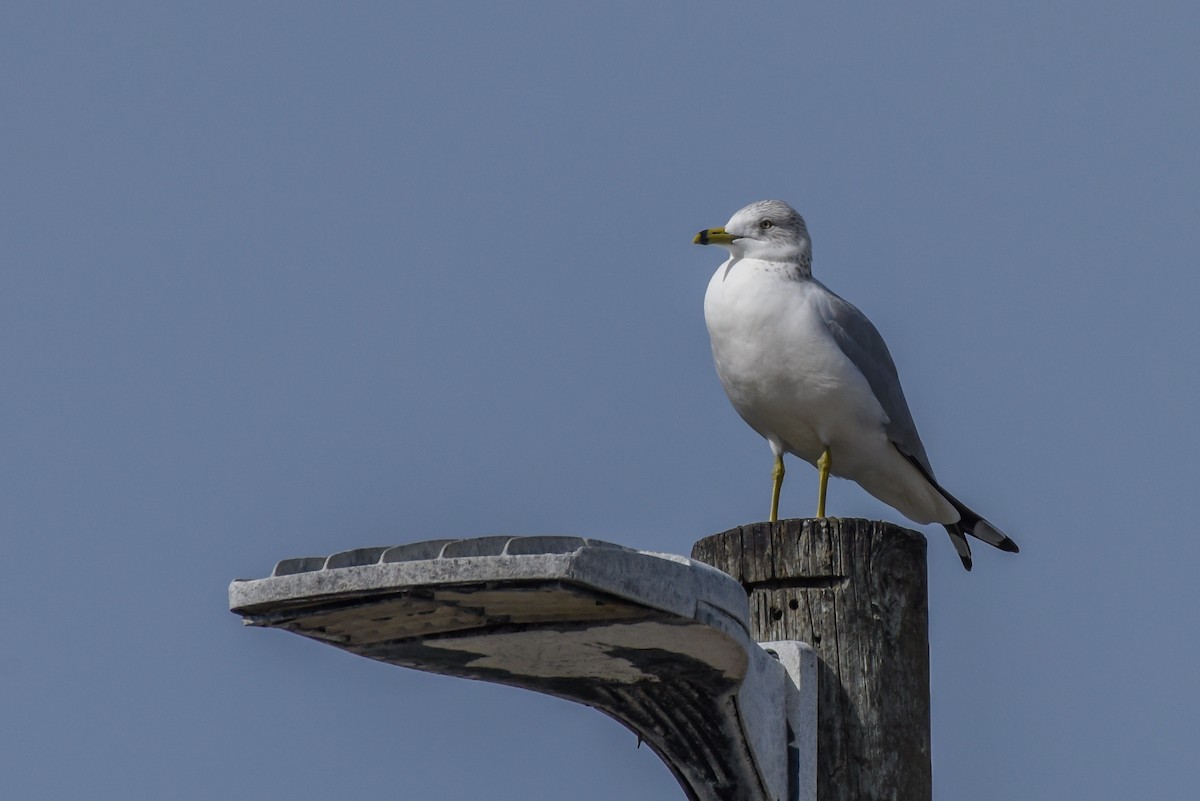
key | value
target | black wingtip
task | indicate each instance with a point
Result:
(959, 538)
(1009, 545)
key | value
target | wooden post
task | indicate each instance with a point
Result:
(856, 591)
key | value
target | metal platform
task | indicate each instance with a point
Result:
(659, 642)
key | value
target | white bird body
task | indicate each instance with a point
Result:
(811, 374)
(791, 382)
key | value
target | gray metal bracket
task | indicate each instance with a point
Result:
(659, 642)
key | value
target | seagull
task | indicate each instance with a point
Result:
(811, 374)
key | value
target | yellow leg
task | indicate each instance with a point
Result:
(823, 467)
(777, 476)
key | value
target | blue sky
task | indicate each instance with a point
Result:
(283, 279)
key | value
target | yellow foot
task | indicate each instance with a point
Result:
(823, 465)
(777, 478)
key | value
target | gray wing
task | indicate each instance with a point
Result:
(861, 342)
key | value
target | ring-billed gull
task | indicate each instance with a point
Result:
(809, 372)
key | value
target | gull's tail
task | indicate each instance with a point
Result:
(968, 523)
(977, 527)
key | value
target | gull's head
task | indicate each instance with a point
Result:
(769, 230)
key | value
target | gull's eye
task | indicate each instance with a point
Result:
(765, 224)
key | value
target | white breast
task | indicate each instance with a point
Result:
(781, 368)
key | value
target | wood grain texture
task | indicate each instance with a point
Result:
(855, 590)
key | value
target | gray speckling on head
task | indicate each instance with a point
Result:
(776, 231)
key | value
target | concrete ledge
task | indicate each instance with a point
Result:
(656, 641)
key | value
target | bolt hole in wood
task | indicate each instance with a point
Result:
(776, 613)
(793, 604)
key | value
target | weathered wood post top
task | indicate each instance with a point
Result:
(856, 590)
